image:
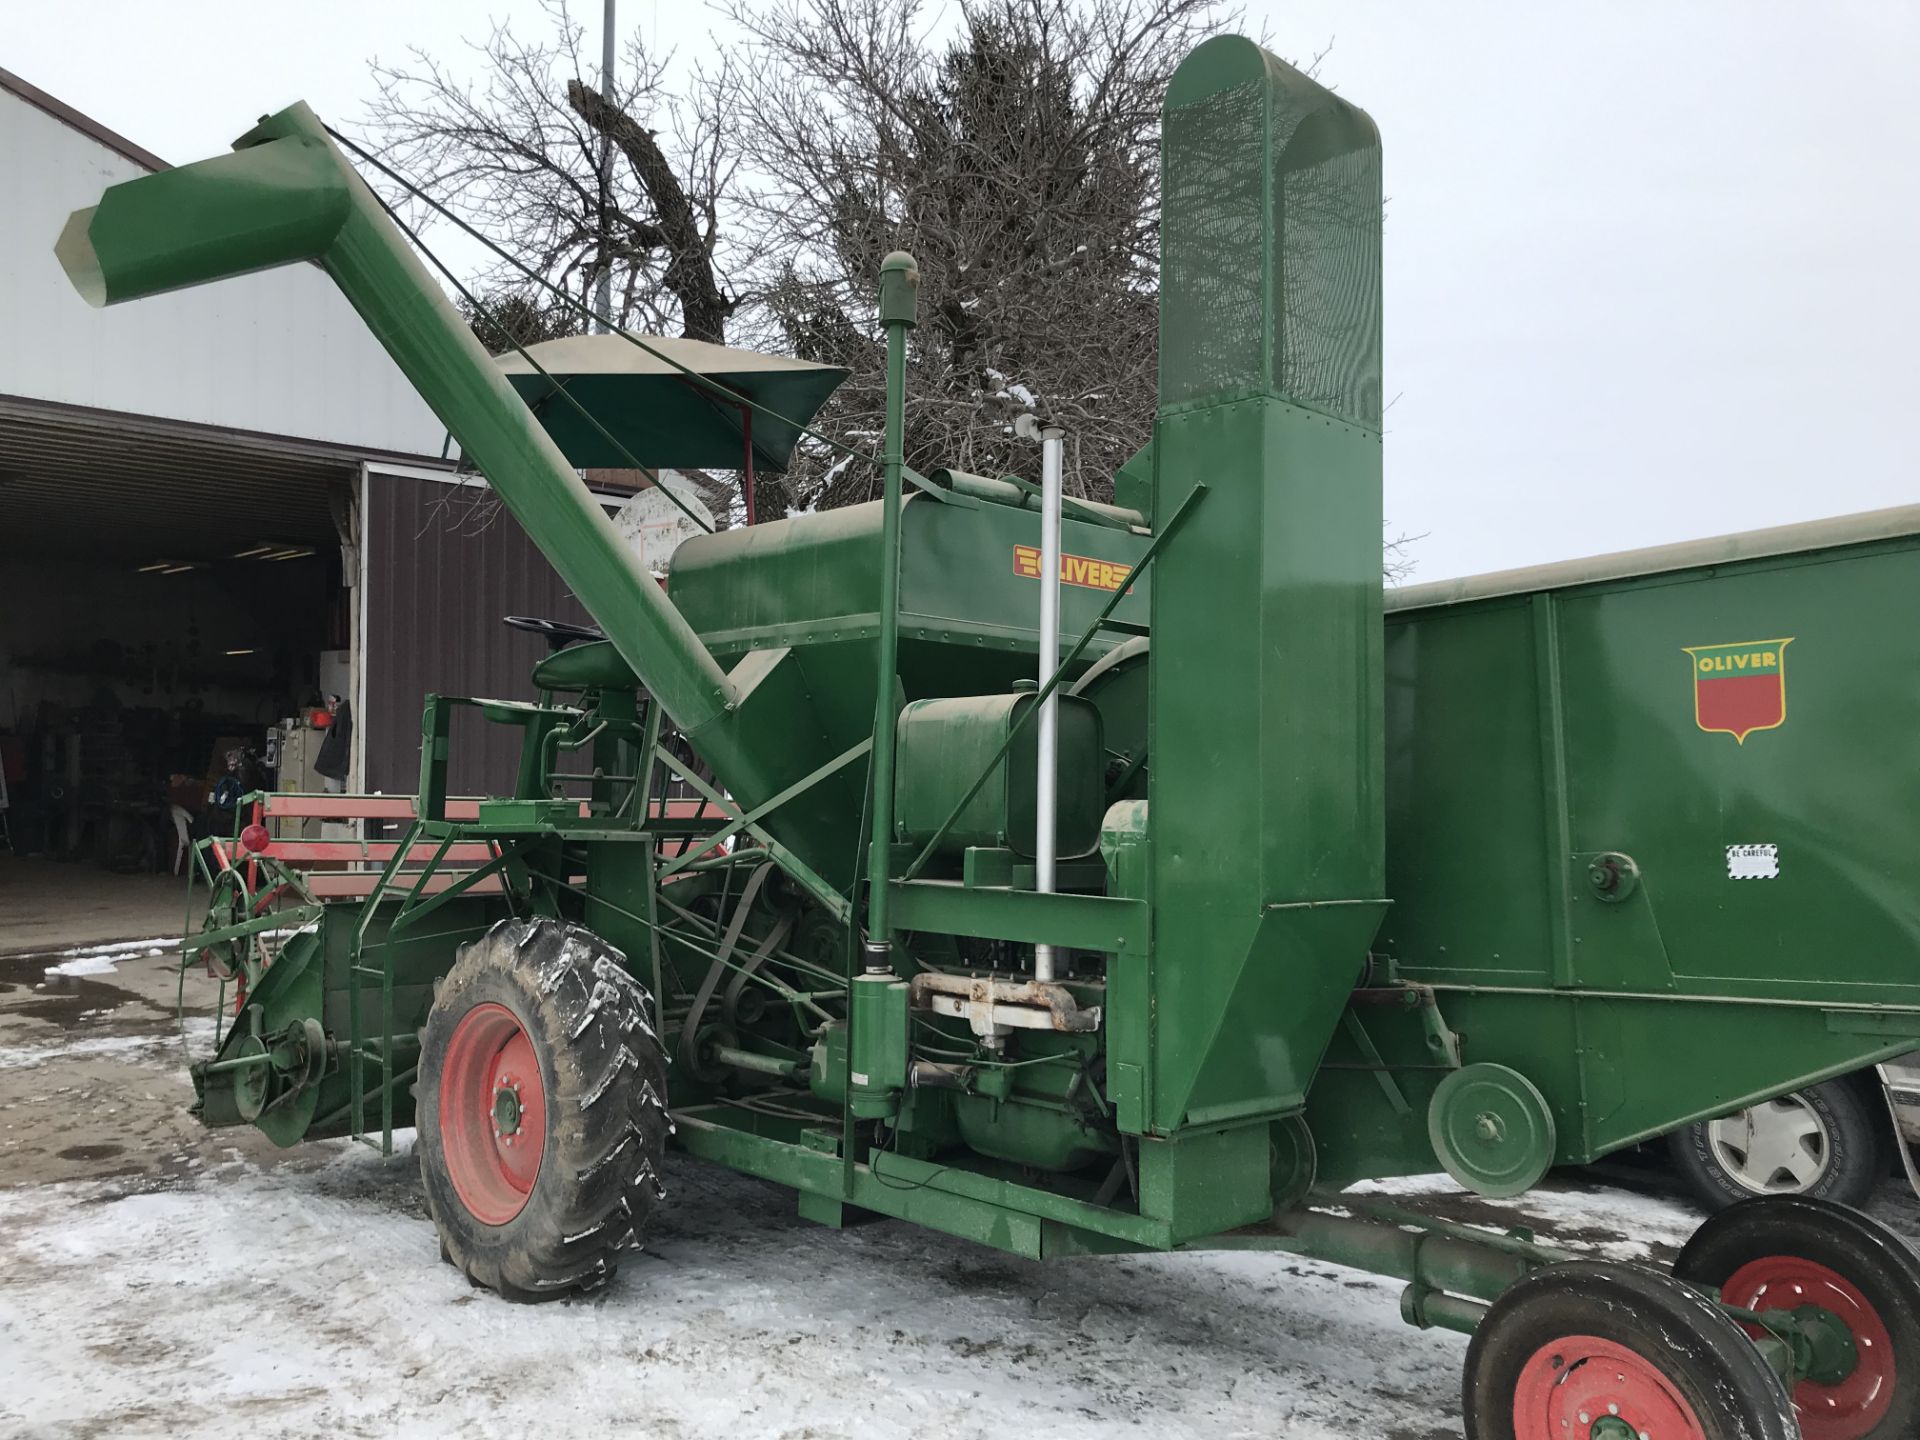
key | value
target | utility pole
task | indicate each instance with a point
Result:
(603, 298)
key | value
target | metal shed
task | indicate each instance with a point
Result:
(203, 528)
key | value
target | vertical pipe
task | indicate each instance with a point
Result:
(746, 484)
(603, 295)
(899, 297)
(1052, 447)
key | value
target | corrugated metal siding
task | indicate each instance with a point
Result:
(102, 484)
(438, 583)
(279, 352)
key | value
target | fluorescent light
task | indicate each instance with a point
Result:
(176, 569)
(262, 548)
(292, 552)
(239, 652)
(156, 565)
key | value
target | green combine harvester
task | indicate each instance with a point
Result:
(1036, 885)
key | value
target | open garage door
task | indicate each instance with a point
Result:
(169, 594)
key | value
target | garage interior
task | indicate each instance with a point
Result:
(171, 593)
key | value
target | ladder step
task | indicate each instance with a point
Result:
(376, 971)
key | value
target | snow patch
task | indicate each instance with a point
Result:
(82, 960)
(155, 944)
(1615, 1224)
(196, 1036)
(85, 965)
(317, 1290)
(1408, 1185)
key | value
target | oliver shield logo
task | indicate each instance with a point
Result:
(1738, 689)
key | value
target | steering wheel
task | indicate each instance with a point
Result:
(559, 633)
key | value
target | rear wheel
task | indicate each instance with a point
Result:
(1826, 1141)
(1593, 1350)
(1853, 1284)
(542, 1110)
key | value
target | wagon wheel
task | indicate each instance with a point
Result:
(1853, 1285)
(1594, 1350)
(541, 1110)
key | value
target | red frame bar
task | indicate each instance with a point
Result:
(475, 852)
(401, 807)
(358, 884)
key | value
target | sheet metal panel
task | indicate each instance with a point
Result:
(444, 564)
(280, 352)
(108, 485)
(1807, 535)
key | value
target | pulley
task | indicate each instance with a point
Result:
(1491, 1129)
(1294, 1161)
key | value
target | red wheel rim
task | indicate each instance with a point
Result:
(1858, 1403)
(493, 1113)
(1571, 1385)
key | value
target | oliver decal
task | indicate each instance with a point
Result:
(1738, 689)
(1074, 569)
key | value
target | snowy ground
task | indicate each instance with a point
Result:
(156, 1279)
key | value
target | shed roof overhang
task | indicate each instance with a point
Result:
(84, 482)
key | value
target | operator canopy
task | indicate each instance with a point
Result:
(665, 417)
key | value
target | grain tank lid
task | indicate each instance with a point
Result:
(662, 415)
(1857, 529)
(1023, 495)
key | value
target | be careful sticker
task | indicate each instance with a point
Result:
(1753, 862)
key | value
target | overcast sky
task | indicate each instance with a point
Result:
(1651, 266)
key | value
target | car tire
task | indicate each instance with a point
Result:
(1827, 1141)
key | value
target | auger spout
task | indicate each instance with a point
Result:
(286, 194)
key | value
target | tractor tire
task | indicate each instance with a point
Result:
(1594, 1347)
(542, 1110)
(1828, 1141)
(1788, 1252)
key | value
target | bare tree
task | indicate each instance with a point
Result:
(1397, 562)
(516, 154)
(1013, 147)
(1018, 161)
